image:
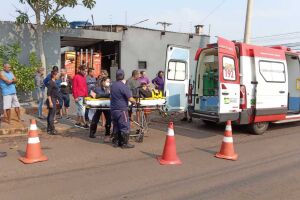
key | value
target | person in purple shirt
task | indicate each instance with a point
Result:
(159, 81)
(120, 95)
(143, 78)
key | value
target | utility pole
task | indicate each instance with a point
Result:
(164, 24)
(247, 35)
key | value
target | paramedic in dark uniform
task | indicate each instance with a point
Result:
(120, 94)
(101, 90)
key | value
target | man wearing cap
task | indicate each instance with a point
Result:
(120, 95)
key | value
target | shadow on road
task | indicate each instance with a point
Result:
(283, 126)
(21, 153)
(197, 129)
(151, 155)
(207, 151)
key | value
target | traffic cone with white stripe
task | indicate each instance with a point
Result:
(33, 150)
(169, 156)
(227, 150)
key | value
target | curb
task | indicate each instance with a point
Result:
(13, 132)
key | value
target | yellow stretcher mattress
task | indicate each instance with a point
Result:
(105, 102)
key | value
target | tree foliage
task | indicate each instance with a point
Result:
(24, 73)
(47, 16)
(48, 11)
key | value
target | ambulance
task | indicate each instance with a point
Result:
(247, 84)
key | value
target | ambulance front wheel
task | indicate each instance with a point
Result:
(259, 128)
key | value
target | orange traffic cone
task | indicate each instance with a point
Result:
(227, 150)
(169, 156)
(33, 150)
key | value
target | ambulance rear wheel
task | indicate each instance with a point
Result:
(259, 128)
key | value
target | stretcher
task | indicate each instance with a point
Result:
(142, 108)
(143, 102)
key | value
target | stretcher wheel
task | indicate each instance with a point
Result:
(140, 136)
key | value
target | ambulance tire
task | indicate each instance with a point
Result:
(259, 128)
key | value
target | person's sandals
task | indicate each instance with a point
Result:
(106, 139)
(41, 117)
(78, 125)
(85, 126)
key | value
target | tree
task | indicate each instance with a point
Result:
(24, 73)
(46, 13)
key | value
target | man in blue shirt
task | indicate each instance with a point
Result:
(9, 92)
(48, 77)
(119, 98)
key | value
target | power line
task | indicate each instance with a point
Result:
(281, 40)
(279, 36)
(145, 20)
(282, 34)
(293, 44)
(212, 11)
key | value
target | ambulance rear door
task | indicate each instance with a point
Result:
(177, 78)
(229, 81)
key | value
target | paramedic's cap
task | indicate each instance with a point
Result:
(120, 72)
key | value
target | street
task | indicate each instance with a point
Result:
(83, 168)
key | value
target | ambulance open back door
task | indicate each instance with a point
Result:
(176, 78)
(229, 81)
(218, 83)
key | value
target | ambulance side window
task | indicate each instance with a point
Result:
(176, 71)
(229, 72)
(272, 71)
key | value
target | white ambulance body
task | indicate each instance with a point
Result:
(247, 84)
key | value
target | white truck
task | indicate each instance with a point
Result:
(247, 84)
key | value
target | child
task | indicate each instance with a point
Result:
(144, 91)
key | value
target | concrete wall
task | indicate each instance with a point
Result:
(148, 45)
(91, 34)
(10, 33)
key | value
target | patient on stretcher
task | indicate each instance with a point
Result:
(144, 91)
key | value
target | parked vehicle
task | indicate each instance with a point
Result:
(247, 84)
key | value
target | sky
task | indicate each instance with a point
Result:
(225, 17)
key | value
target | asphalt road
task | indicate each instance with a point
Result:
(80, 168)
